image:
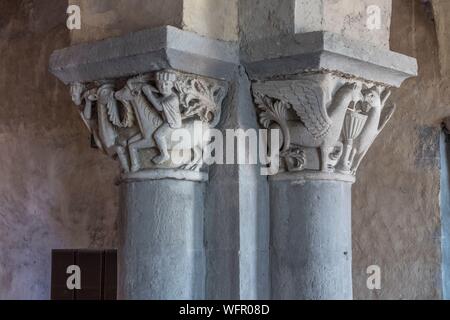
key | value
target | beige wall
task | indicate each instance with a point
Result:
(55, 192)
(346, 17)
(107, 18)
(396, 218)
(217, 19)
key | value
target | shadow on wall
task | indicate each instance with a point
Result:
(55, 192)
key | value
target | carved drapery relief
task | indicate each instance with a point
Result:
(134, 121)
(327, 123)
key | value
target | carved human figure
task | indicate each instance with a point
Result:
(169, 105)
(158, 114)
(374, 101)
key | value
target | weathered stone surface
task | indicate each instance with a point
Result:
(441, 8)
(396, 215)
(142, 52)
(104, 19)
(55, 192)
(292, 54)
(162, 253)
(310, 240)
(101, 19)
(237, 204)
(396, 199)
(347, 18)
(216, 19)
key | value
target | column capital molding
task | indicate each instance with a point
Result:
(133, 119)
(117, 84)
(143, 52)
(323, 51)
(327, 122)
(327, 94)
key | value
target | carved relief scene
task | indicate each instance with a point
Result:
(134, 121)
(327, 123)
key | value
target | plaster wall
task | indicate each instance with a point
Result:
(396, 213)
(55, 192)
(102, 19)
(268, 18)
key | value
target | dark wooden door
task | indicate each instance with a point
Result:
(94, 272)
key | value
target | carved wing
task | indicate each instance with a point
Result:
(311, 111)
(387, 114)
(306, 102)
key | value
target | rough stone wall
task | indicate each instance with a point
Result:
(267, 18)
(102, 19)
(396, 214)
(441, 10)
(55, 192)
(217, 19)
(108, 18)
(349, 18)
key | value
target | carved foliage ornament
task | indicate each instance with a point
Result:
(318, 133)
(135, 121)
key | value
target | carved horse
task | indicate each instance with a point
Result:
(108, 137)
(149, 120)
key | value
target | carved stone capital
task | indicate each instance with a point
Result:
(327, 122)
(134, 119)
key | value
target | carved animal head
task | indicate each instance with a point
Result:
(104, 95)
(372, 97)
(76, 92)
(352, 91)
(375, 97)
(132, 89)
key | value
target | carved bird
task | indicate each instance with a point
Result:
(317, 125)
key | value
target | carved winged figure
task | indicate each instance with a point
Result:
(320, 125)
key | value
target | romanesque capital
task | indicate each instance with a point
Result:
(134, 120)
(327, 122)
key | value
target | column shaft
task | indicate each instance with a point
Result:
(162, 253)
(311, 239)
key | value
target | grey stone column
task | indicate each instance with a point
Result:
(328, 97)
(162, 254)
(311, 241)
(117, 87)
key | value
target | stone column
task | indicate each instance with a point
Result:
(328, 95)
(188, 233)
(133, 93)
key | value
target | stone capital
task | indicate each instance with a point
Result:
(327, 122)
(134, 93)
(329, 98)
(135, 121)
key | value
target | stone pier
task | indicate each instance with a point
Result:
(192, 231)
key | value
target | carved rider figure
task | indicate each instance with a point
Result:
(169, 104)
